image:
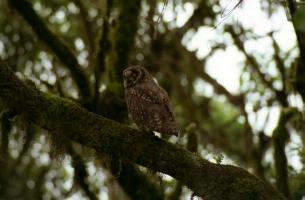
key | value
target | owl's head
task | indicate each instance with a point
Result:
(134, 75)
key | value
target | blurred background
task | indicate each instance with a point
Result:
(231, 69)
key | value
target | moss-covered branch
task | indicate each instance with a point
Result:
(60, 49)
(280, 138)
(60, 116)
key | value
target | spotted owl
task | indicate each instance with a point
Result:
(147, 102)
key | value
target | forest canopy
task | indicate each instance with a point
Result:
(234, 71)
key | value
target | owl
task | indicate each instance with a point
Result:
(147, 102)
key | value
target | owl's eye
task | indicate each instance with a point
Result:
(127, 73)
(134, 75)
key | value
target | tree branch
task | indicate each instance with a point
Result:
(88, 32)
(208, 180)
(291, 6)
(279, 61)
(80, 172)
(253, 62)
(203, 11)
(6, 126)
(280, 137)
(163, 44)
(300, 34)
(102, 50)
(60, 49)
(134, 182)
(125, 34)
(280, 94)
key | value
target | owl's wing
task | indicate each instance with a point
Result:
(153, 101)
(155, 94)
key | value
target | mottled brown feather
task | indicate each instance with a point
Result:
(148, 103)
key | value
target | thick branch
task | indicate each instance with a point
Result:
(280, 137)
(208, 180)
(60, 49)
